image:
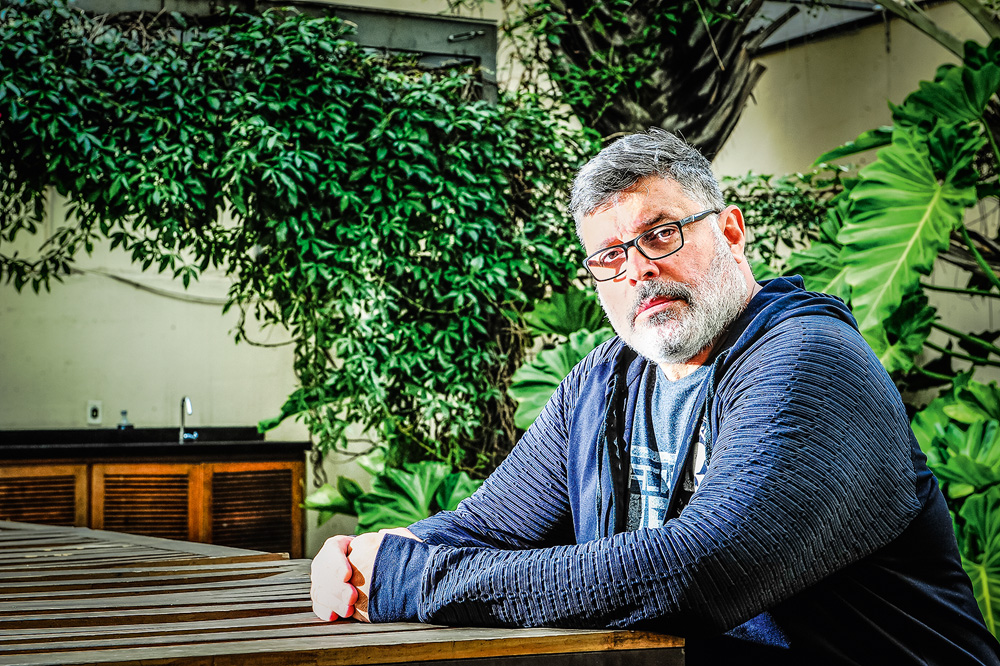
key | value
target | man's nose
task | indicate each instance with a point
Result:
(638, 268)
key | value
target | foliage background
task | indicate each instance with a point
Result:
(394, 225)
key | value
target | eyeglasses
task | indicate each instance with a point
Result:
(660, 241)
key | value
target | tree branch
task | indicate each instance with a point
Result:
(919, 20)
(984, 17)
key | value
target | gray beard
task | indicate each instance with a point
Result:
(677, 336)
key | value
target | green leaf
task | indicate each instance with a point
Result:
(349, 488)
(969, 456)
(373, 462)
(329, 500)
(563, 314)
(876, 138)
(980, 540)
(929, 422)
(455, 488)
(959, 96)
(904, 334)
(400, 497)
(821, 269)
(900, 217)
(533, 384)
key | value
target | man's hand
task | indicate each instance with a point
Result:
(332, 593)
(361, 554)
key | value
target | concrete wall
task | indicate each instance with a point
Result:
(95, 338)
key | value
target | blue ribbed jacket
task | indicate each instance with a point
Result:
(816, 536)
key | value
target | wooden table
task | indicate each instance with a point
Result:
(80, 596)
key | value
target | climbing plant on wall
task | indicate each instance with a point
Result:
(391, 223)
(624, 66)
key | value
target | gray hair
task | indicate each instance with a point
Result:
(630, 159)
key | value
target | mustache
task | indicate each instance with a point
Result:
(659, 289)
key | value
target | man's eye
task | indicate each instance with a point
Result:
(610, 257)
(663, 234)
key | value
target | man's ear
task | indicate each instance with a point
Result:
(734, 229)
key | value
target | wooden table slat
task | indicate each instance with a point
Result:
(46, 633)
(113, 641)
(157, 599)
(338, 650)
(178, 568)
(135, 584)
(80, 596)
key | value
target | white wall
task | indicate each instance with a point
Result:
(95, 338)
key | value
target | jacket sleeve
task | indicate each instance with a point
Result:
(810, 471)
(524, 503)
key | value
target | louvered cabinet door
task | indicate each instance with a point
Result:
(154, 499)
(255, 505)
(47, 494)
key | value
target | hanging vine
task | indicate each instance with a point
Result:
(394, 225)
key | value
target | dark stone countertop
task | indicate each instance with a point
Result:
(225, 441)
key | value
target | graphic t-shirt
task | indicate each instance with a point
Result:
(661, 418)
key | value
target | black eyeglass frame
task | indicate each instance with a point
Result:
(635, 243)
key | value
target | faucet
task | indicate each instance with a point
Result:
(185, 407)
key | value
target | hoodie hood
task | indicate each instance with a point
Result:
(780, 299)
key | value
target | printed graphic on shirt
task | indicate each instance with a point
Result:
(651, 470)
(662, 415)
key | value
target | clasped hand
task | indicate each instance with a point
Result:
(341, 574)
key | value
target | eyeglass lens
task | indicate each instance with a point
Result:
(654, 244)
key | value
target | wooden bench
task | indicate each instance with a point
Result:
(80, 596)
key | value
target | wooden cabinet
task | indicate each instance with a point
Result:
(254, 505)
(45, 493)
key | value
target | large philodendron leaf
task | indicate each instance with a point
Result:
(980, 542)
(328, 501)
(534, 383)
(968, 458)
(974, 401)
(958, 94)
(564, 314)
(819, 264)
(453, 489)
(821, 269)
(932, 420)
(904, 334)
(876, 138)
(400, 497)
(902, 211)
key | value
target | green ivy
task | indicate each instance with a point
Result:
(392, 224)
(782, 213)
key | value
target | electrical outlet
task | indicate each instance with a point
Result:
(95, 412)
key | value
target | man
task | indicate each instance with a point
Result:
(735, 467)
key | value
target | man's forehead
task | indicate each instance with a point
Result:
(648, 199)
